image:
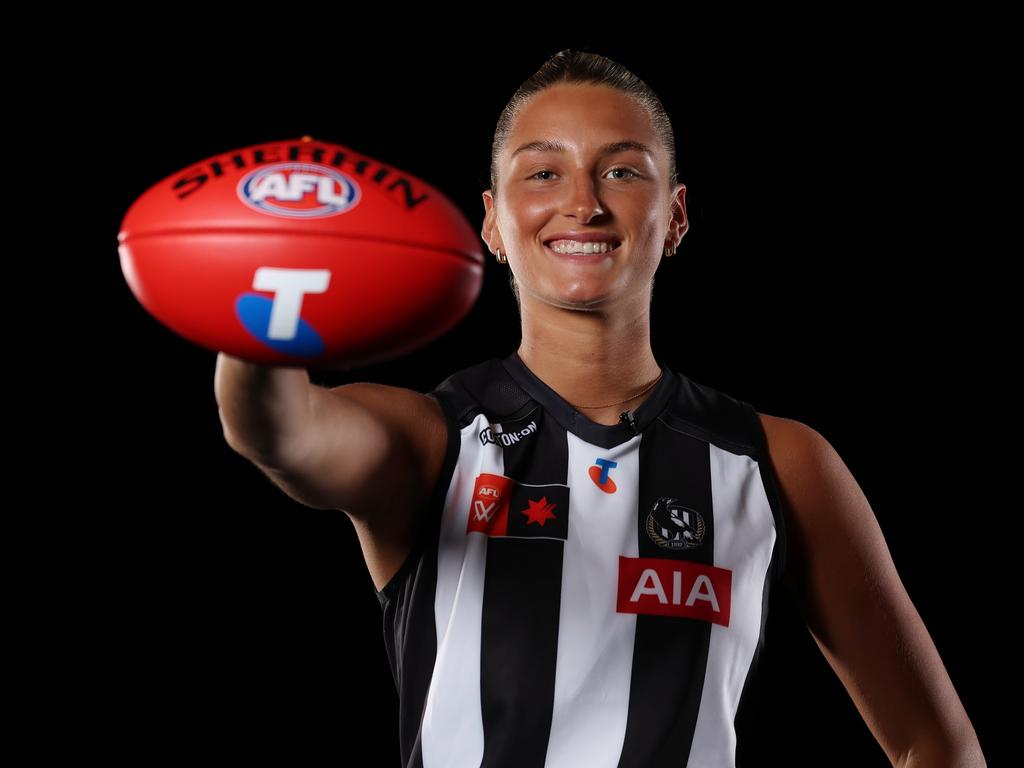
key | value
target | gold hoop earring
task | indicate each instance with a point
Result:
(501, 259)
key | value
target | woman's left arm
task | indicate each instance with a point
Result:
(844, 581)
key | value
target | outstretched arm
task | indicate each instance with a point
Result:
(856, 607)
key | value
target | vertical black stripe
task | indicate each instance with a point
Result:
(776, 565)
(747, 694)
(521, 600)
(670, 652)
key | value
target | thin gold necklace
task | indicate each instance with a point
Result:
(634, 397)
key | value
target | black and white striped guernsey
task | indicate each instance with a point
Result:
(581, 594)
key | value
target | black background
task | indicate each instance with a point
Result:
(851, 263)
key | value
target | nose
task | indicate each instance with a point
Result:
(582, 200)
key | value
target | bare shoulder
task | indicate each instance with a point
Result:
(415, 418)
(419, 423)
(790, 442)
(781, 426)
(796, 452)
(819, 493)
(411, 413)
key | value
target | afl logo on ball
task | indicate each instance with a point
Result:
(673, 526)
(298, 190)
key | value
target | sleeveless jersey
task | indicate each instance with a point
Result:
(580, 594)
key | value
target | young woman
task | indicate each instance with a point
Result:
(577, 545)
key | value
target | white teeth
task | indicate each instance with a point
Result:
(574, 246)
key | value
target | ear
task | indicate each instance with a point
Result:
(679, 222)
(489, 229)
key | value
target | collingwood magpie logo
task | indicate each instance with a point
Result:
(496, 434)
(673, 526)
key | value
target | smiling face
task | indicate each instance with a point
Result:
(623, 193)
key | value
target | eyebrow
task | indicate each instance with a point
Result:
(547, 145)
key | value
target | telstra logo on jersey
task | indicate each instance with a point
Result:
(599, 474)
(502, 507)
(298, 190)
(674, 588)
(673, 526)
(278, 322)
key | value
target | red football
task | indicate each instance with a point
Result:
(301, 253)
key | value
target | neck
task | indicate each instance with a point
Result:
(590, 358)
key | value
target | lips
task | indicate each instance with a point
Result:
(585, 237)
(582, 256)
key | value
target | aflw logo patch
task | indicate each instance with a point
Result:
(674, 588)
(502, 507)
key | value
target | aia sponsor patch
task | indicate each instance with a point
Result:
(674, 588)
(502, 507)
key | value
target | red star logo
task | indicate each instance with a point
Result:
(539, 511)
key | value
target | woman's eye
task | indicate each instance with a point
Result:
(627, 170)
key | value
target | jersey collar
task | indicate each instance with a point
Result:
(603, 435)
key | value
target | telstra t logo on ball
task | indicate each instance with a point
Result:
(599, 474)
(278, 322)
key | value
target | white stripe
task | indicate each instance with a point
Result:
(744, 534)
(453, 731)
(595, 643)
